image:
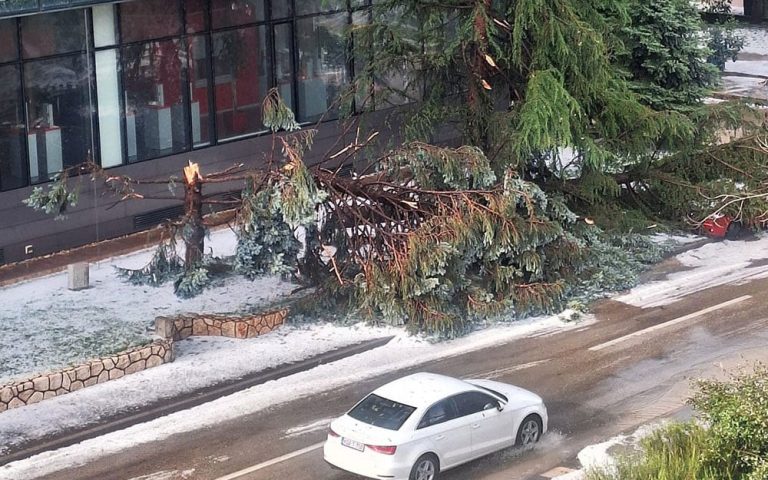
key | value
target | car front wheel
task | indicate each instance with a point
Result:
(427, 467)
(529, 431)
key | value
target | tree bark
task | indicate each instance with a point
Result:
(193, 231)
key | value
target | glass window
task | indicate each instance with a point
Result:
(473, 402)
(281, 9)
(380, 412)
(155, 101)
(197, 15)
(59, 114)
(146, 19)
(304, 7)
(361, 39)
(12, 173)
(199, 91)
(53, 33)
(108, 100)
(229, 13)
(241, 74)
(8, 47)
(17, 6)
(322, 65)
(284, 62)
(438, 413)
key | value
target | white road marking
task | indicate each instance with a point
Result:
(670, 323)
(502, 371)
(321, 424)
(166, 475)
(269, 463)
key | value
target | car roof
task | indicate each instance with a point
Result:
(421, 390)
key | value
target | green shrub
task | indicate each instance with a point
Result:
(731, 442)
(737, 414)
(673, 452)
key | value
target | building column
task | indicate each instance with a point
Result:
(756, 10)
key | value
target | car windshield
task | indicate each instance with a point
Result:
(499, 395)
(380, 412)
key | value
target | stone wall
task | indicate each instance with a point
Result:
(248, 326)
(170, 329)
(33, 390)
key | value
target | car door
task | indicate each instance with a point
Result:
(448, 434)
(490, 428)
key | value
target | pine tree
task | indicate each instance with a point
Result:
(665, 55)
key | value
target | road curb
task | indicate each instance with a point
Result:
(164, 407)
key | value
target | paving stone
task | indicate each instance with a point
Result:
(36, 397)
(90, 382)
(154, 361)
(41, 384)
(3, 407)
(76, 385)
(228, 329)
(136, 367)
(108, 363)
(49, 394)
(54, 380)
(122, 362)
(15, 402)
(83, 372)
(6, 394)
(115, 374)
(24, 396)
(103, 377)
(97, 368)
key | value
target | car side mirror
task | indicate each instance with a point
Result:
(500, 406)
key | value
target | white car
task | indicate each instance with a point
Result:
(417, 426)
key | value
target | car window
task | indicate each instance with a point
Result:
(498, 394)
(468, 403)
(380, 412)
(440, 412)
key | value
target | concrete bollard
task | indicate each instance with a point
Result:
(77, 276)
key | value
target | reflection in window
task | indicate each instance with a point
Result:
(304, 7)
(199, 90)
(59, 114)
(196, 14)
(11, 130)
(148, 19)
(229, 13)
(53, 33)
(18, 6)
(322, 65)
(284, 62)
(281, 10)
(8, 47)
(155, 114)
(242, 80)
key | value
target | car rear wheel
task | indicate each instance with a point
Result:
(529, 431)
(427, 467)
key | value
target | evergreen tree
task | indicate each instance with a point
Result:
(666, 57)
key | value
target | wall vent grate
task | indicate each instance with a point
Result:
(147, 220)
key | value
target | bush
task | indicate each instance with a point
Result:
(731, 442)
(737, 414)
(673, 452)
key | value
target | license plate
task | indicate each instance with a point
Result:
(348, 442)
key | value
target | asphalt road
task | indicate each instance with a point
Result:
(593, 390)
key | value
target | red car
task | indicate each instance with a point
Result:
(725, 226)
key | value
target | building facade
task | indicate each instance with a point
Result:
(143, 86)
